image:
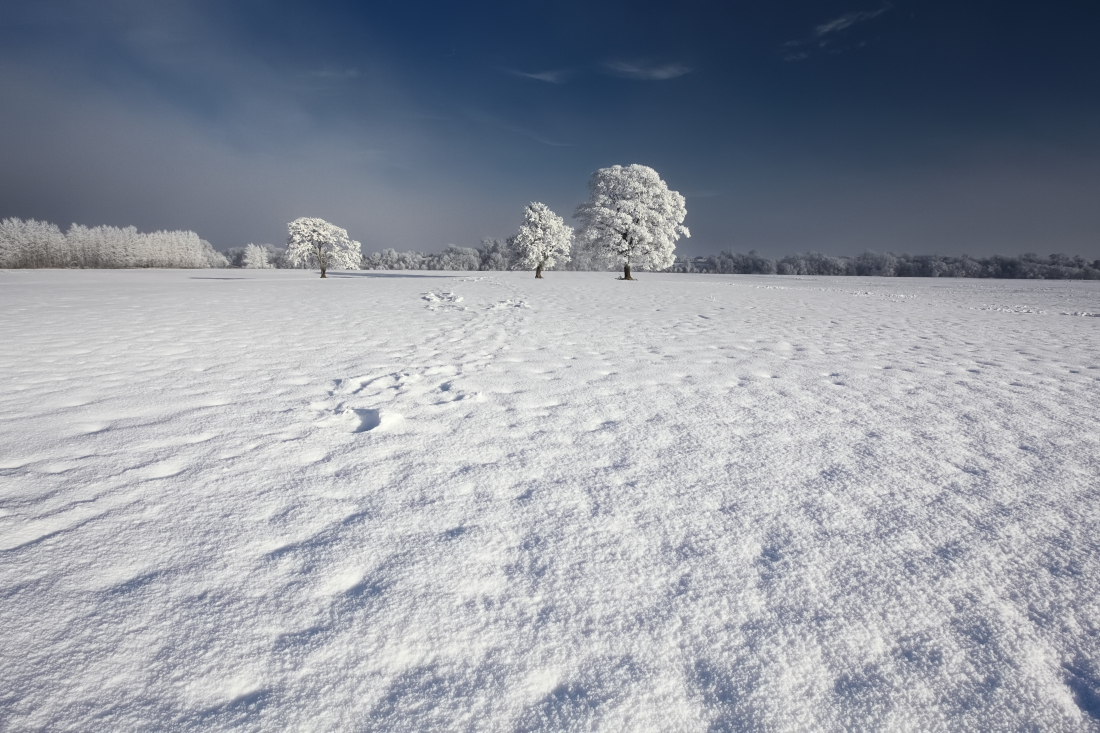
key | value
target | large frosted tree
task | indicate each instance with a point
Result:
(316, 243)
(633, 217)
(543, 239)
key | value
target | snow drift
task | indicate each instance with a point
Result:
(391, 501)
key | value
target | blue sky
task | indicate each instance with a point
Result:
(927, 127)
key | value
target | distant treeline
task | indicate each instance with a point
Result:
(41, 244)
(31, 243)
(495, 254)
(873, 264)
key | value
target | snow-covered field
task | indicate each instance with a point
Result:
(477, 501)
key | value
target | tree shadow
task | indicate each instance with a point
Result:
(399, 273)
(1084, 683)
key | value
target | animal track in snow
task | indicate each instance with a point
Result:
(368, 419)
(394, 389)
(443, 300)
(510, 303)
(359, 419)
(1011, 309)
(451, 393)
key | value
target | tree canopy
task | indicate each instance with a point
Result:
(633, 216)
(543, 239)
(315, 242)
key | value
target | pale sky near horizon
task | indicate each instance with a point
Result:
(924, 127)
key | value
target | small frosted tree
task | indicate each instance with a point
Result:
(543, 239)
(633, 217)
(316, 243)
(255, 258)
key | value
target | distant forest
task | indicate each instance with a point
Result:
(495, 254)
(873, 264)
(33, 244)
(30, 244)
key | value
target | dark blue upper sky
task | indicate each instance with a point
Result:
(927, 127)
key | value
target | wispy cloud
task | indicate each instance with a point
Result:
(799, 50)
(647, 72)
(550, 77)
(848, 20)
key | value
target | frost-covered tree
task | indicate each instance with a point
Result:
(391, 259)
(31, 243)
(455, 258)
(256, 258)
(543, 239)
(585, 256)
(39, 244)
(235, 256)
(496, 254)
(316, 243)
(633, 217)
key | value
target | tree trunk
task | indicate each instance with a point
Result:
(538, 271)
(322, 272)
(626, 271)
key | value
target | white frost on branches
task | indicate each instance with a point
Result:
(543, 239)
(316, 243)
(33, 243)
(633, 216)
(256, 258)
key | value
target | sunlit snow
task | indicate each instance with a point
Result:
(454, 501)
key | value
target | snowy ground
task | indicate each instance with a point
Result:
(477, 501)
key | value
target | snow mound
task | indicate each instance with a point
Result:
(443, 300)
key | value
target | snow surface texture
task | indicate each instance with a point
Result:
(437, 502)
